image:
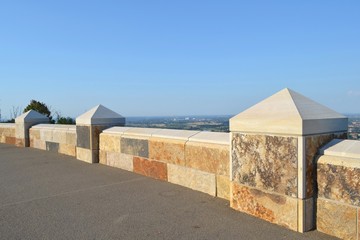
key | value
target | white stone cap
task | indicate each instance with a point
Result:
(342, 148)
(144, 132)
(174, 134)
(339, 161)
(7, 125)
(116, 130)
(31, 116)
(55, 127)
(211, 137)
(290, 113)
(100, 115)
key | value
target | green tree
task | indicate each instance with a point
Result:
(65, 120)
(39, 107)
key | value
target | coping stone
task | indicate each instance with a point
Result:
(175, 134)
(116, 130)
(211, 137)
(342, 148)
(145, 132)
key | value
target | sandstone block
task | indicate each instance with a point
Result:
(336, 219)
(71, 138)
(146, 167)
(39, 144)
(338, 182)
(103, 157)
(110, 143)
(59, 136)
(265, 162)
(212, 158)
(120, 160)
(67, 149)
(87, 155)
(223, 187)
(192, 178)
(166, 150)
(10, 140)
(278, 209)
(34, 133)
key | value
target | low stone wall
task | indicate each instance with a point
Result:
(338, 178)
(7, 133)
(197, 160)
(56, 138)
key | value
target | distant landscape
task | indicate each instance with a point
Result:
(213, 123)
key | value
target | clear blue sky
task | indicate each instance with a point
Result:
(148, 58)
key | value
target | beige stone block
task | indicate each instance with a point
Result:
(39, 144)
(167, 150)
(34, 134)
(59, 136)
(223, 187)
(87, 155)
(46, 135)
(212, 158)
(120, 160)
(102, 157)
(274, 208)
(67, 149)
(110, 143)
(192, 178)
(336, 219)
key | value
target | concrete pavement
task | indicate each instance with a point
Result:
(45, 195)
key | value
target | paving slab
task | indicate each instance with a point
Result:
(45, 195)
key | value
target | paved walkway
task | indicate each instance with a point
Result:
(44, 195)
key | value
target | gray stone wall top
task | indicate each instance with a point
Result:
(7, 125)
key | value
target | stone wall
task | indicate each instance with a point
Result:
(54, 137)
(338, 180)
(7, 133)
(197, 160)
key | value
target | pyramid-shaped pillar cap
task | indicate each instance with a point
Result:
(100, 115)
(32, 116)
(290, 113)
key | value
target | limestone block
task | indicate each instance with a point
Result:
(71, 138)
(312, 146)
(120, 160)
(338, 179)
(336, 219)
(110, 142)
(192, 178)
(39, 144)
(223, 187)
(87, 155)
(46, 135)
(102, 157)
(167, 150)
(212, 158)
(59, 136)
(265, 162)
(134, 146)
(52, 146)
(67, 149)
(146, 167)
(34, 133)
(21, 142)
(274, 208)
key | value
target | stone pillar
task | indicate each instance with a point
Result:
(273, 148)
(88, 127)
(23, 124)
